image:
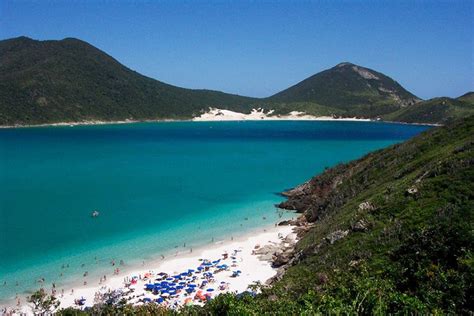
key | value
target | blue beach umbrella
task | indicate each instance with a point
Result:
(190, 270)
(210, 290)
(146, 299)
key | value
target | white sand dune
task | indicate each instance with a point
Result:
(215, 114)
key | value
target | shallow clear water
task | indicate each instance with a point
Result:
(156, 185)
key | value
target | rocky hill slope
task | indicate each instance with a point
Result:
(351, 88)
(391, 234)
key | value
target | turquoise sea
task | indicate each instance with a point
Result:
(156, 186)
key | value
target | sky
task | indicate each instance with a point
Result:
(258, 48)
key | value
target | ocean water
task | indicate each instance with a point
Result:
(159, 187)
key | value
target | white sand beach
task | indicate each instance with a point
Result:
(215, 114)
(229, 266)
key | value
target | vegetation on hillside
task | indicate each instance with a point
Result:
(392, 234)
(356, 90)
(437, 110)
(72, 81)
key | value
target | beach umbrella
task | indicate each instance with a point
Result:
(159, 300)
(216, 261)
(182, 282)
(190, 270)
(238, 271)
(192, 285)
(169, 279)
(165, 294)
(200, 268)
(210, 290)
(190, 290)
(180, 287)
(184, 274)
(146, 299)
(149, 286)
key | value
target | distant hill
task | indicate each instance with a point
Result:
(71, 80)
(468, 97)
(349, 89)
(437, 110)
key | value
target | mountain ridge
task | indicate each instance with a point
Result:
(70, 80)
(324, 81)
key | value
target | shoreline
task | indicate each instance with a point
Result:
(265, 235)
(316, 118)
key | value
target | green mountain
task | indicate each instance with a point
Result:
(70, 80)
(468, 97)
(349, 89)
(437, 110)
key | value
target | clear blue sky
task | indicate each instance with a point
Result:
(257, 48)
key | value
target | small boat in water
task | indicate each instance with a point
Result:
(95, 213)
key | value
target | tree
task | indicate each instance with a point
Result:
(43, 303)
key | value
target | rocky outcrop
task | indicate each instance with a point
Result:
(335, 236)
(366, 206)
(360, 226)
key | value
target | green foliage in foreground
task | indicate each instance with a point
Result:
(415, 255)
(42, 302)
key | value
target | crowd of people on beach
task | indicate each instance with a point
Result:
(193, 286)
